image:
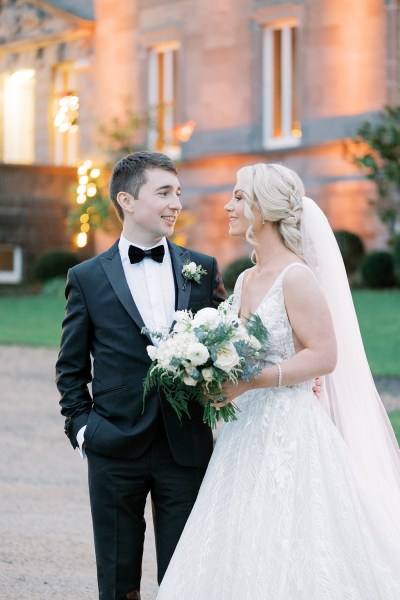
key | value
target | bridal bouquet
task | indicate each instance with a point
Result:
(200, 353)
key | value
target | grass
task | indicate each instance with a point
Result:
(379, 317)
(395, 420)
(31, 320)
(36, 321)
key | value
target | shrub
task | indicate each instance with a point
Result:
(54, 288)
(396, 257)
(54, 264)
(377, 270)
(233, 270)
(351, 248)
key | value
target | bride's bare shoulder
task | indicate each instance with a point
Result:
(299, 277)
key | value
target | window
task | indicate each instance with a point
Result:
(281, 124)
(65, 108)
(162, 98)
(17, 108)
(10, 264)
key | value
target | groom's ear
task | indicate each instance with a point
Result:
(126, 201)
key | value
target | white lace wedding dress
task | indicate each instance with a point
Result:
(283, 513)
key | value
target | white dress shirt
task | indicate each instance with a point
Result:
(152, 286)
(153, 290)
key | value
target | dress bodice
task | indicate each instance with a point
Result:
(272, 312)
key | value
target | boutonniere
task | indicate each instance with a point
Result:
(192, 272)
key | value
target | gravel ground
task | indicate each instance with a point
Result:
(46, 547)
(46, 543)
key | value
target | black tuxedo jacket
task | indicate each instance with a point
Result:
(102, 343)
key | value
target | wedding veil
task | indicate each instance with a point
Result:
(349, 395)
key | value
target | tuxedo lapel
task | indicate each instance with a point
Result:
(178, 257)
(112, 265)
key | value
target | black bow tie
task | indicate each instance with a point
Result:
(137, 254)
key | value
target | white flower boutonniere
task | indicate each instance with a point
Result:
(192, 272)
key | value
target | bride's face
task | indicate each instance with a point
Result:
(238, 223)
(238, 211)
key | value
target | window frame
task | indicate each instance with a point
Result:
(166, 112)
(289, 81)
(13, 276)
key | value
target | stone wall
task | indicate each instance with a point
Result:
(34, 203)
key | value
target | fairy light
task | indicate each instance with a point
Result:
(66, 113)
(81, 239)
(85, 190)
(91, 190)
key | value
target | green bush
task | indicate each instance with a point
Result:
(351, 248)
(54, 288)
(377, 270)
(54, 264)
(396, 257)
(233, 270)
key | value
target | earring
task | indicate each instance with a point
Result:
(263, 222)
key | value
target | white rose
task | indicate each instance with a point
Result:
(197, 354)
(208, 374)
(187, 380)
(191, 267)
(180, 327)
(227, 358)
(206, 316)
(152, 352)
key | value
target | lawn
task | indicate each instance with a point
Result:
(36, 320)
(395, 420)
(31, 320)
(379, 317)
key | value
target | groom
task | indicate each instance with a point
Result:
(133, 449)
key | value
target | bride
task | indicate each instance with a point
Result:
(301, 499)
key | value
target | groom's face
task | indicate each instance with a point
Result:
(158, 205)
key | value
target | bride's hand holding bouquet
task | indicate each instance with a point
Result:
(201, 354)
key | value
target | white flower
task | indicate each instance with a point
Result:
(191, 271)
(208, 374)
(227, 358)
(206, 316)
(191, 268)
(152, 352)
(197, 354)
(187, 380)
(180, 327)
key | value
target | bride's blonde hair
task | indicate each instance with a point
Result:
(276, 191)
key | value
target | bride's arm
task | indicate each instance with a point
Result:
(311, 322)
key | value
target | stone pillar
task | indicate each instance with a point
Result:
(115, 57)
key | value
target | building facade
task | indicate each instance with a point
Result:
(224, 84)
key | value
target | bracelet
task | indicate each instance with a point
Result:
(279, 375)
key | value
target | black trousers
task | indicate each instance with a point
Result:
(118, 490)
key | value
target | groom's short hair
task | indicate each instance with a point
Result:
(129, 174)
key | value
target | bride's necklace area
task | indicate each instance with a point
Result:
(259, 266)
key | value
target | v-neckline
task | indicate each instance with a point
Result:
(281, 272)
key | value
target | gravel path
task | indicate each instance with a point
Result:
(46, 543)
(46, 547)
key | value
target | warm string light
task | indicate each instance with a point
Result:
(86, 188)
(67, 113)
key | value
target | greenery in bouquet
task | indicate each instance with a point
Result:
(200, 353)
